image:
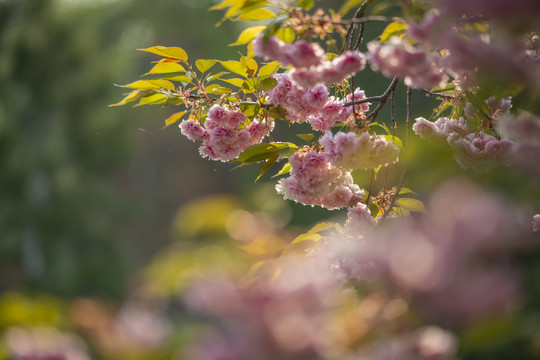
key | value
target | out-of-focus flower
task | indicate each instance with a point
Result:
(536, 222)
(43, 343)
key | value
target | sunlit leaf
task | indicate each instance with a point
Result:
(405, 190)
(268, 69)
(132, 96)
(204, 64)
(286, 34)
(267, 165)
(305, 4)
(250, 109)
(251, 85)
(306, 137)
(260, 152)
(218, 76)
(321, 227)
(284, 170)
(234, 81)
(394, 139)
(151, 84)
(181, 78)
(393, 29)
(250, 64)
(217, 90)
(268, 84)
(248, 34)
(166, 67)
(411, 204)
(256, 15)
(235, 66)
(174, 118)
(152, 99)
(170, 52)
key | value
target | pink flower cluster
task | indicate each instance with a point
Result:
(399, 58)
(312, 105)
(308, 60)
(315, 181)
(222, 136)
(346, 150)
(330, 72)
(473, 149)
(300, 54)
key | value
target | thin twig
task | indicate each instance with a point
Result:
(359, 14)
(409, 114)
(393, 109)
(394, 198)
(373, 115)
(443, 96)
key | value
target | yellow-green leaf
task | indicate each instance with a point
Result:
(234, 81)
(174, 118)
(217, 90)
(235, 66)
(286, 34)
(395, 28)
(411, 204)
(268, 69)
(204, 64)
(169, 52)
(181, 78)
(152, 99)
(132, 96)
(257, 15)
(321, 227)
(250, 64)
(166, 67)
(248, 34)
(305, 4)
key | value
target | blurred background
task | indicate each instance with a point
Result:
(101, 203)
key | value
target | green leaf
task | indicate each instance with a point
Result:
(411, 204)
(248, 34)
(320, 227)
(235, 66)
(260, 152)
(381, 125)
(166, 67)
(169, 52)
(250, 85)
(181, 78)
(217, 76)
(395, 28)
(217, 90)
(405, 190)
(269, 69)
(305, 4)
(205, 64)
(234, 81)
(132, 96)
(284, 170)
(250, 64)
(268, 83)
(286, 34)
(152, 99)
(151, 84)
(257, 15)
(306, 237)
(306, 137)
(174, 118)
(267, 165)
(250, 109)
(394, 139)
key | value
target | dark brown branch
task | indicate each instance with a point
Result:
(373, 115)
